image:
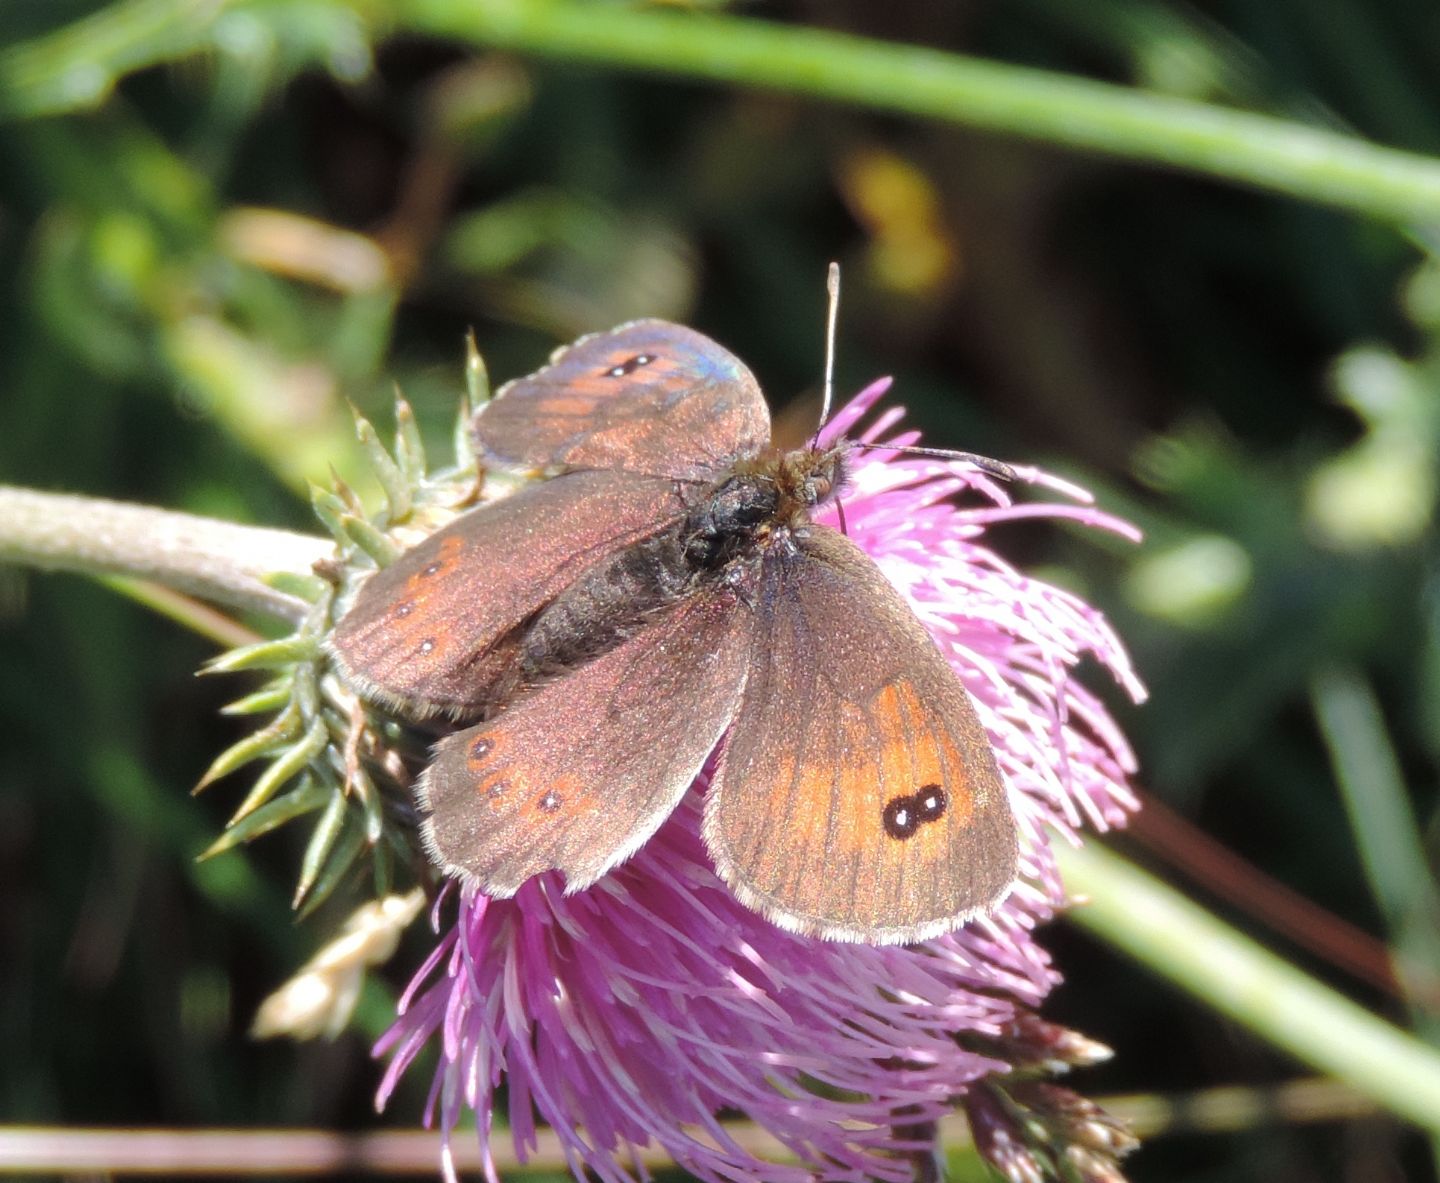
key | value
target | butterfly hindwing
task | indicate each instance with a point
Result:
(576, 773)
(857, 796)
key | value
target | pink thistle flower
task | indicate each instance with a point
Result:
(632, 1014)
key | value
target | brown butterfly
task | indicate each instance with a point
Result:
(664, 590)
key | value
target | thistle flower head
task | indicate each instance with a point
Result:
(632, 1014)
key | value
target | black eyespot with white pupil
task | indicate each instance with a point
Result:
(629, 365)
(905, 814)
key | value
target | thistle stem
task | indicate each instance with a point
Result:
(212, 560)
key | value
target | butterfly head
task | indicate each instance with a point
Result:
(813, 476)
(800, 481)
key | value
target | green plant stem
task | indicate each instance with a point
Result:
(212, 560)
(78, 65)
(74, 68)
(1269, 153)
(1387, 835)
(1182, 942)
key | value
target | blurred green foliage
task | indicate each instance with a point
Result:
(281, 206)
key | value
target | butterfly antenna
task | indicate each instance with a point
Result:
(832, 288)
(984, 463)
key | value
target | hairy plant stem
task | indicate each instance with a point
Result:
(212, 560)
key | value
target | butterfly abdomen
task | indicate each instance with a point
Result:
(605, 605)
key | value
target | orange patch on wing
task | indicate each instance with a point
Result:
(917, 754)
(576, 405)
(422, 581)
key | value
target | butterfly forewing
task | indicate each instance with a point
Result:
(577, 773)
(857, 797)
(648, 397)
(435, 631)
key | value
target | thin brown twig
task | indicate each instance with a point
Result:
(1228, 876)
(194, 614)
(310, 1152)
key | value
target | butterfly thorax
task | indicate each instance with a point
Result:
(759, 501)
